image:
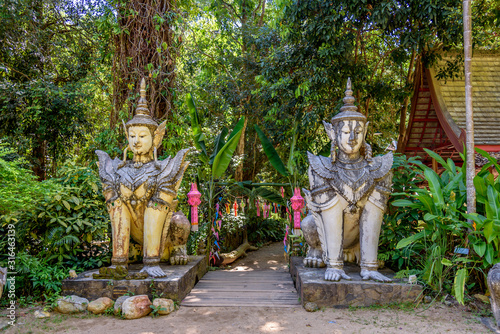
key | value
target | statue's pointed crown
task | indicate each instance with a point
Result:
(348, 111)
(142, 115)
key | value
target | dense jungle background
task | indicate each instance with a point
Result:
(270, 71)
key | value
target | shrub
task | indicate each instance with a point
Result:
(444, 231)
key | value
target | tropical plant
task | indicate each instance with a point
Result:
(444, 235)
(400, 222)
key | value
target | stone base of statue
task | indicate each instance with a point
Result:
(176, 285)
(312, 287)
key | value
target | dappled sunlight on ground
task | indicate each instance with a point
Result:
(241, 268)
(271, 327)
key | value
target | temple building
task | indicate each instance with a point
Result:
(437, 117)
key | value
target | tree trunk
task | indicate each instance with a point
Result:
(404, 109)
(145, 47)
(235, 255)
(240, 152)
(469, 114)
(39, 160)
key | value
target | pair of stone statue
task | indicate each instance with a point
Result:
(348, 197)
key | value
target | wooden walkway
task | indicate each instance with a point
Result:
(266, 288)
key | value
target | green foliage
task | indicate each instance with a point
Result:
(224, 156)
(18, 185)
(261, 231)
(63, 226)
(271, 153)
(37, 277)
(400, 222)
(444, 228)
(66, 222)
(46, 91)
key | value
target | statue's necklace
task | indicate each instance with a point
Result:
(350, 162)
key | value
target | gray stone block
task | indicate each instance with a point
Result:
(176, 285)
(312, 288)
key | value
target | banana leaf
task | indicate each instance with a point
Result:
(219, 143)
(198, 136)
(271, 153)
(224, 156)
(290, 163)
(269, 195)
(459, 284)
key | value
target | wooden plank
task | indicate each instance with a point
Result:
(264, 288)
(232, 304)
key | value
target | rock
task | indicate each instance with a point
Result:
(482, 298)
(41, 314)
(71, 304)
(72, 274)
(118, 304)
(311, 307)
(100, 305)
(166, 305)
(136, 307)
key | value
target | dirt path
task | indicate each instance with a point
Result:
(232, 320)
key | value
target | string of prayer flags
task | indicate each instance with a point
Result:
(286, 239)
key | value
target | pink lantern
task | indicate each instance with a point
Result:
(257, 205)
(297, 205)
(194, 200)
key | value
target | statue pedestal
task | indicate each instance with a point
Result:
(178, 283)
(312, 287)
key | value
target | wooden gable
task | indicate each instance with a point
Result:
(437, 117)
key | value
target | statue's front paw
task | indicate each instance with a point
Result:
(179, 256)
(179, 260)
(335, 275)
(313, 262)
(374, 275)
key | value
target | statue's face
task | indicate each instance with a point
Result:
(351, 136)
(140, 139)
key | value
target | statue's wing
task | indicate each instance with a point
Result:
(107, 172)
(172, 170)
(159, 133)
(322, 166)
(381, 165)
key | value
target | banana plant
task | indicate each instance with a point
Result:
(223, 150)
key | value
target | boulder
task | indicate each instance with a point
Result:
(118, 304)
(136, 307)
(41, 314)
(100, 305)
(166, 305)
(311, 307)
(71, 304)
